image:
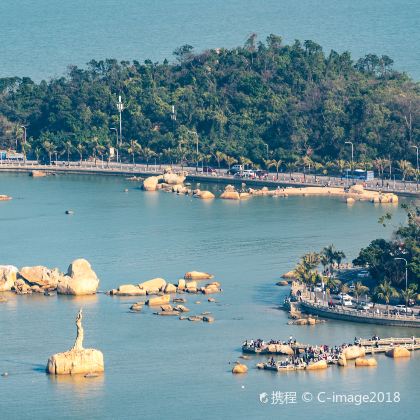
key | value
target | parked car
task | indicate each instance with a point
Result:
(234, 169)
(401, 309)
(347, 302)
(261, 174)
(209, 170)
(363, 274)
(363, 306)
(369, 304)
(249, 173)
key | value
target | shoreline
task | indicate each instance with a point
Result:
(127, 170)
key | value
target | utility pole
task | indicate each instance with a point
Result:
(120, 107)
(417, 166)
(24, 143)
(116, 133)
(352, 159)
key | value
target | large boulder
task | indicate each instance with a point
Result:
(7, 277)
(353, 352)
(150, 184)
(230, 195)
(289, 275)
(159, 300)
(211, 288)
(398, 352)
(41, 276)
(79, 280)
(342, 361)
(362, 361)
(239, 368)
(197, 275)
(205, 195)
(321, 364)
(76, 361)
(170, 288)
(153, 285)
(173, 179)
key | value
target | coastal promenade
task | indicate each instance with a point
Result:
(130, 170)
(352, 315)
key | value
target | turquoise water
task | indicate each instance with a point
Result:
(41, 38)
(160, 367)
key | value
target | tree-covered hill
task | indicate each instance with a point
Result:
(294, 101)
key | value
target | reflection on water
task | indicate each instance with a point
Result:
(79, 385)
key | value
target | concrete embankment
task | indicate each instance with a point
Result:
(352, 316)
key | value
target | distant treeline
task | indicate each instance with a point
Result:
(259, 103)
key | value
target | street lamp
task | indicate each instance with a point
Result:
(406, 277)
(24, 144)
(417, 166)
(116, 133)
(120, 107)
(352, 159)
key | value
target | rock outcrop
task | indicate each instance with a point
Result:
(205, 195)
(398, 352)
(79, 280)
(150, 184)
(353, 352)
(239, 368)
(342, 361)
(153, 285)
(362, 361)
(159, 300)
(8, 275)
(41, 276)
(321, 364)
(197, 275)
(173, 179)
(129, 290)
(77, 359)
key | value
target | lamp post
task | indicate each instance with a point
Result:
(116, 133)
(24, 144)
(352, 159)
(406, 277)
(120, 107)
(417, 166)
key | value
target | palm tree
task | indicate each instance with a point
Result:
(49, 148)
(37, 152)
(80, 149)
(148, 154)
(306, 271)
(134, 149)
(276, 164)
(230, 161)
(68, 147)
(386, 291)
(245, 161)
(290, 166)
(405, 168)
(410, 293)
(360, 289)
(220, 157)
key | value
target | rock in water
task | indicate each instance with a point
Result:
(321, 364)
(398, 352)
(240, 368)
(7, 277)
(197, 275)
(79, 280)
(353, 352)
(41, 276)
(362, 361)
(77, 359)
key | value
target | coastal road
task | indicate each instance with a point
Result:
(290, 179)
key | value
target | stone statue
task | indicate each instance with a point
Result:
(78, 344)
(77, 359)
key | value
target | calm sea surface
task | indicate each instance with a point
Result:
(40, 38)
(157, 367)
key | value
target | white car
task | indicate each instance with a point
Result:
(347, 302)
(402, 309)
(344, 296)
